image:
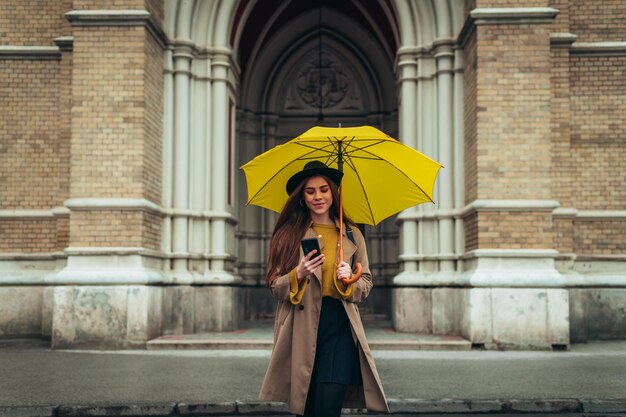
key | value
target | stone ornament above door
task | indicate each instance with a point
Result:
(340, 89)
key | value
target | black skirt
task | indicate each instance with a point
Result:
(336, 357)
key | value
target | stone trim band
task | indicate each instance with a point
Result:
(118, 18)
(48, 53)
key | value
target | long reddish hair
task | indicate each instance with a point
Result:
(292, 223)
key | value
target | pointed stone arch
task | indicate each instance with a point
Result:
(209, 114)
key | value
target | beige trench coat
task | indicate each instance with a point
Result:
(295, 337)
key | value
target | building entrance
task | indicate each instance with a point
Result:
(325, 63)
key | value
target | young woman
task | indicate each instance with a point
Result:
(321, 361)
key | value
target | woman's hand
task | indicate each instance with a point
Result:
(344, 271)
(308, 266)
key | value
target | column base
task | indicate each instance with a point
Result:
(508, 299)
(216, 308)
(112, 316)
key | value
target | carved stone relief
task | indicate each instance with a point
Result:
(327, 83)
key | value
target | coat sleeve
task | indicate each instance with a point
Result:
(364, 285)
(287, 288)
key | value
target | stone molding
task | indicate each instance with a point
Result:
(92, 204)
(217, 55)
(598, 49)
(589, 215)
(495, 16)
(135, 204)
(562, 39)
(508, 205)
(118, 18)
(510, 253)
(514, 205)
(42, 53)
(28, 214)
(513, 15)
(65, 43)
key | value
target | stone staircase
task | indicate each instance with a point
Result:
(258, 334)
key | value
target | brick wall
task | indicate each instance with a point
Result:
(470, 119)
(116, 228)
(32, 22)
(28, 236)
(600, 237)
(598, 20)
(563, 235)
(108, 112)
(562, 21)
(598, 129)
(513, 111)
(156, 9)
(515, 230)
(470, 224)
(29, 133)
(562, 170)
(116, 133)
(153, 119)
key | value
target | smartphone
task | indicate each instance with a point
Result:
(309, 244)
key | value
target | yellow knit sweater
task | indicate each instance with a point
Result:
(331, 286)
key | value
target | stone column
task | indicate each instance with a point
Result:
(458, 166)
(445, 198)
(407, 67)
(104, 297)
(216, 302)
(182, 55)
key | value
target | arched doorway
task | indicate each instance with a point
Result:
(236, 79)
(305, 64)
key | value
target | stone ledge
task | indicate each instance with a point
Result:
(192, 410)
(118, 18)
(413, 407)
(131, 410)
(30, 52)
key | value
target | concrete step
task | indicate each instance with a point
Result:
(259, 335)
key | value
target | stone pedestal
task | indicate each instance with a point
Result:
(116, 316)
(199, 309)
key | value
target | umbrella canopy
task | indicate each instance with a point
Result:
(381, 175)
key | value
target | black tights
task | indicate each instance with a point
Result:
(325, 400)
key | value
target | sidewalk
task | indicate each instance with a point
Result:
(34, 380)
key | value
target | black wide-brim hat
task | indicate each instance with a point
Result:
(312, 169)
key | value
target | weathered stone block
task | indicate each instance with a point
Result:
(412, 310)
(20, 311)
(178, 310)
(105, 316)
(216, 308)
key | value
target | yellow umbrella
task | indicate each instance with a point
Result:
(381, 175)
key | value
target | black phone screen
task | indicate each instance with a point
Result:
(308, 245)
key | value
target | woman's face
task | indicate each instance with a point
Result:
(318, 197)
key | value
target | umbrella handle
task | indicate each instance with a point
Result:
(355, 276)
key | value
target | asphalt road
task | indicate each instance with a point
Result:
(37, 376)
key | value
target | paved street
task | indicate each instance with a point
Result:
(33, 376)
